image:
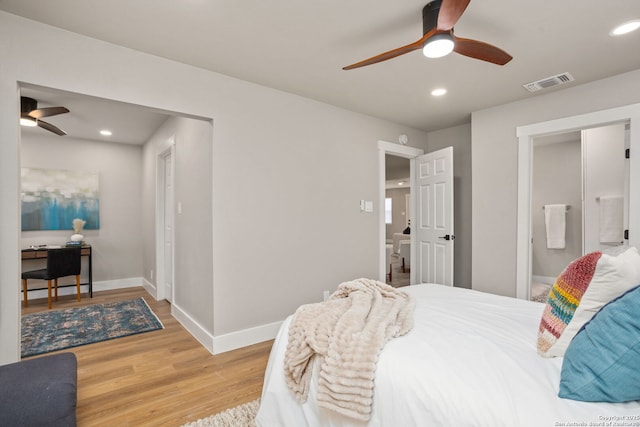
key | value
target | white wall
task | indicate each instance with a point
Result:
(495, 175)
(117, 245)
(556, 178)
(399, 212)
(287, 222)
(193, 246)
(288, 174)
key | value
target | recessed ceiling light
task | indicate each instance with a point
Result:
(401, 183)
(438, 92)
(105, 132)
(625, 28)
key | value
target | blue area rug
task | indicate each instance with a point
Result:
(59, 329)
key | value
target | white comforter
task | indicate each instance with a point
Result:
(470, 360)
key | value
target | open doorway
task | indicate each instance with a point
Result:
(579, 199)
(123, 247)
(389, 149)
(116, 163)
(397, 220)
(526, 136)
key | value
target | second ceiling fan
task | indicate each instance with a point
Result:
(438, 19)
(31, 115)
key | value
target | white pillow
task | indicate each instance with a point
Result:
(616, 250)
(613, 276)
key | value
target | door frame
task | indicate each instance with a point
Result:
(391, 148)
(166, 149)
(526, 135)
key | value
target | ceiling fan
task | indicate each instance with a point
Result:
(438, 19)
(30, 115)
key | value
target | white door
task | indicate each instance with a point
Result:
(604, 174)
(434, 217)
(168, 227)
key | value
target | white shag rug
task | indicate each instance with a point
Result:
(240, 416)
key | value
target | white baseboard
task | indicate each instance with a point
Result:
(193, 327)
(107, 285)
(103, 285)
(150, 288)
(245, 337)
(227, 342)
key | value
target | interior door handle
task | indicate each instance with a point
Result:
(447, 237)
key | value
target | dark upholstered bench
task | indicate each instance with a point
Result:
(39, 392)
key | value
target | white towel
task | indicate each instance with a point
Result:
(611, 219)
(555, 222)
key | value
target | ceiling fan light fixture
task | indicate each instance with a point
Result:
(438, 46)
(439, 17)
(28, 121)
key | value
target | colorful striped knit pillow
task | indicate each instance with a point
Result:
(586, 285)
(564, 299)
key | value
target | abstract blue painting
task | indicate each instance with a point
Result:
(53, 198)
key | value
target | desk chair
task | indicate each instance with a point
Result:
(405, 254)
(389, 249)
(60, 263)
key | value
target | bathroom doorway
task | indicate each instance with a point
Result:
(579, 199)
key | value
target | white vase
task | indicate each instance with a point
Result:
(77, 237)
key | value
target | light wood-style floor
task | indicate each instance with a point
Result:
(158, 378)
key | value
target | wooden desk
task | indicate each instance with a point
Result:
(41, 253)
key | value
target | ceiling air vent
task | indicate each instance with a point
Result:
(548, 82)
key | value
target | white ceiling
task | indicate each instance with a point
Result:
(301, 46)
(87, 116)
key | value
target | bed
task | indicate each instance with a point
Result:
(470, 360)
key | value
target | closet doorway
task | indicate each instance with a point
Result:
(165, 234)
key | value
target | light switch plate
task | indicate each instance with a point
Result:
(368, 206)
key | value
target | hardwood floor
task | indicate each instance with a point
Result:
(158, 378)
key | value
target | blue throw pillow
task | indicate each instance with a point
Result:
(602, 363)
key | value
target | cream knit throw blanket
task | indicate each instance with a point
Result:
(345, 334)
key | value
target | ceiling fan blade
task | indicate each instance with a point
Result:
(46, 112)
(392, 53)
(449, 13)
(481, 50)
(51, 128)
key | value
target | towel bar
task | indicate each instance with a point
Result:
(568, 207)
